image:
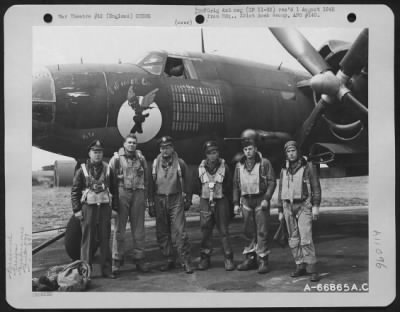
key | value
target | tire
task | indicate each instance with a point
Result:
(73, 237)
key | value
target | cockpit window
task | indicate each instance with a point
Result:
(175, 68)
(153, 63)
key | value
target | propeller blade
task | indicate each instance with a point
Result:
(299, 47)
(357, 56)
(345, 132)
(351, 127)
(362, 111)
(310, 122)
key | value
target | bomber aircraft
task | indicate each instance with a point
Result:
(195, 96)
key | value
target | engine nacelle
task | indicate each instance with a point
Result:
(64, 172)
(340, 155)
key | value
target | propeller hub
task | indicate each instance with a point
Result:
(325, 83)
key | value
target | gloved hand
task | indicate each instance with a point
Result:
(78, 215)
(264, 203)
(236, 210)
(186, 204)
(187, 201)
(152, 209)
(114, 214)
(280, 217)
(315, 213)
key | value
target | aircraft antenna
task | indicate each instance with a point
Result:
(280, 65)
(203, 50)
(81, 60)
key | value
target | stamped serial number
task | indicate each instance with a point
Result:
(337, 287)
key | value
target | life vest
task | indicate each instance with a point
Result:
(130, 172)
(292, 185)
(249, 181)
(96, 191)
(212, 183)
(166, 184)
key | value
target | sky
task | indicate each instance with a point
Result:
(111, 44)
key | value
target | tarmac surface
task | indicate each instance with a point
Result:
(340, 238)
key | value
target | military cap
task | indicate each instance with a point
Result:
(210, 146)
(290, 143)
(96, 145)
(248, 141)
(248, 137)
(165, 141)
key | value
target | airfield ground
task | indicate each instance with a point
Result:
(341, 239)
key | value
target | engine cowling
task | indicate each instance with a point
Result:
(348, 156)
(64, 172)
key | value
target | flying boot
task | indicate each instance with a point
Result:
(263, 265)
(300, 270)
(204, 263)
(228, 262)
(250, 263)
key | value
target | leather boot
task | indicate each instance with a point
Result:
(107, 273)
(204, 263)
(141, 266)
(250, 263)
(228, 262)
(187, 266)
(169, 265)
(263, 265)
(314, 274)
(300, 270)
(115, 270)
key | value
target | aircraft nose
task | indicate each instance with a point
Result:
(43, 101)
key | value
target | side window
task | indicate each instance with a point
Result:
(153, 63)
(174, 67)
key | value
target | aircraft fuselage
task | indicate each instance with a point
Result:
(218, 98)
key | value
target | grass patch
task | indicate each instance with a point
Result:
(51, 207)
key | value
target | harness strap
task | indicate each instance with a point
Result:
(85, 173)
(180, 176)
(117, 163)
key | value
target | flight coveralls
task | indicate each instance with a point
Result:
(250, 187)
(299, 190)
(170, 179)
(214, 206)
(131, 174)
(91, 188)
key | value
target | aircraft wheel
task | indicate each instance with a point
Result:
(73, 237)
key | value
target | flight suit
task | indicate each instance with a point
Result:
(131, 175)
(299, 190)
(250, 187)
(215, 211)
(168, 178)
(90, 193)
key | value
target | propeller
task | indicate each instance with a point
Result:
(357, 56)
(298, 46)
(324, 81)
